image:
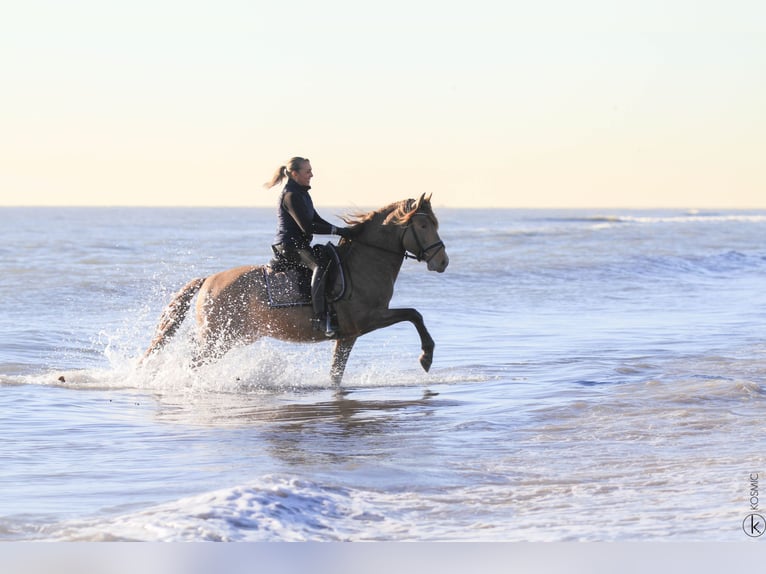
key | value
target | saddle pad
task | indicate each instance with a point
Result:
(286, 288)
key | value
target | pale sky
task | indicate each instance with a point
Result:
(486, 103)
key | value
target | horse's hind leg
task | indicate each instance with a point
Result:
(211, 346)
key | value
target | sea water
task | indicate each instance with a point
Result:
(598, 375)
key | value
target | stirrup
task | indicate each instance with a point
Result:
(325, 324)
(329, 328)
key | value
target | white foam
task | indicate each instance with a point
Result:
(265, 366)
(694, 218)
(271, 509)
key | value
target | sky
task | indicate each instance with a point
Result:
(484, 103)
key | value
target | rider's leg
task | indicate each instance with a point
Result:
(318, 280)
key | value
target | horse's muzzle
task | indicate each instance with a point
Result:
(439, 261)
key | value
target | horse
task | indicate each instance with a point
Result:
(233, 306)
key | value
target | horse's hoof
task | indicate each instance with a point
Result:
(425, 361)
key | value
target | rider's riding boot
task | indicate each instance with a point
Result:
(318, 280)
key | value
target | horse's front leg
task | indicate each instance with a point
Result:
(340, 358)
(388, 317)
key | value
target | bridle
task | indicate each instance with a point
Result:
(421, 255)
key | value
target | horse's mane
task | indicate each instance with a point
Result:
(397, 213)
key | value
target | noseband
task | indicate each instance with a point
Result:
(422, 251)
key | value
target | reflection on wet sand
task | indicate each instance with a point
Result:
(335, 429)
(293, 410)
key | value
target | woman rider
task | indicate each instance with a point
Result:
(297, 222)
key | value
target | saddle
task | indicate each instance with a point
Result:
(289, 285)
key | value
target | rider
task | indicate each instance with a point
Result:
(297, 222)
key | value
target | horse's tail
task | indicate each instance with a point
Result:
(173, 315)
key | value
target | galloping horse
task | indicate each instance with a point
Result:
(233, 306)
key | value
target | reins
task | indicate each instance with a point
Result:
(421, 256)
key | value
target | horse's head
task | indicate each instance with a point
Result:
(421, 235)
(413, 229)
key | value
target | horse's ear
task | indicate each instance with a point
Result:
(419, 202)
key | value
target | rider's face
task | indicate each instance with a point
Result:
(303, 175)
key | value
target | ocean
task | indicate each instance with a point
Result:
(599, 375)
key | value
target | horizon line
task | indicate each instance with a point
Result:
(352, 206)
